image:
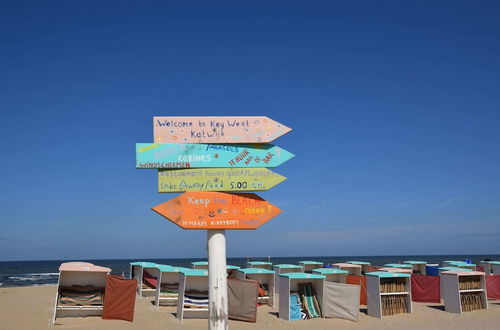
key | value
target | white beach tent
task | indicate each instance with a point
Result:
(308, 265)
(137, 270)
(264, 277)
(167, 288)
(284, 268)
(80, 289)
(351, 268)
(192, 301)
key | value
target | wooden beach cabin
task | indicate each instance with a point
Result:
(308, 265)
(145, 273)
(167, 289)
(447, 269)
(260, 264)
(265, 277)
(464, 291)
(495, 267)
(351, 268)
(486, 264)
(419, 267)
(199, 265)
(284, 268)
(80, 290)
(388, 293)
(310, 295)
(192, 301)
(364, 265)
(332, 274)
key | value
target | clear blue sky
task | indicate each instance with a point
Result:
(395, 110)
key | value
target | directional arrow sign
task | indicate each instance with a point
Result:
(216, 210)
(176, 155)
(217, 129)
(217, 179)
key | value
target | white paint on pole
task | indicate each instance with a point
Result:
(217, 280)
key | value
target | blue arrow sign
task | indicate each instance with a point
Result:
(176, 155)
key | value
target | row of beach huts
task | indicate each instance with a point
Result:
(307, 290)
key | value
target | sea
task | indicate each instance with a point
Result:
(28, 273)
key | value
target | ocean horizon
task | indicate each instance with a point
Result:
(45, 272)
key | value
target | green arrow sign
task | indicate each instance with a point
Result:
(217, 179)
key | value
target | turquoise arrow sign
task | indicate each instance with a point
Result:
(176, 155)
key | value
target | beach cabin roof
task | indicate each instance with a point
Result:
(460, 263)
(287, 266)
(82, 267)
(256, 271)
(358, 263)
(387, 274)
(395, 270)
(398, 265)
(199, 263)
(490, 262)
(259, 263)
(461, 272)
(194, 272)
(415, 262)
(328, 271)
(169, 269)
(455, 268)
(342, 264)
(230, 267)
(302, 276)
(308, 262)
(144, 264)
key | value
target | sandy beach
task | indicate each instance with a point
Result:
(32, 307)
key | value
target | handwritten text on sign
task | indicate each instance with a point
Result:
(217, 129)
(216, 210)
(217, 179)
(173, 155)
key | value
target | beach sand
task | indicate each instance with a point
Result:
(32, 308)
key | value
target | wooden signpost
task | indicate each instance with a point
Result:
(217, 129)
(175, 155)
(210, 158)
(217, 179)
(216, 210)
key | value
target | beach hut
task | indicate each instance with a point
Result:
(446, 269)
(461, 264)
(417, 266)
(260, 264)
(396, 270)
(308, 266)
(464, 291)
(310, 295)
(232, 270)
(145, 273)
(199, 265)
(446, 263)
(332, 274)
(495, 267)
(389, 293)
(192, 300)
(284, 268)
(80, 289)
(364, 265)
(265, 277)
(167, 289)
(289, 298)
(351, 268)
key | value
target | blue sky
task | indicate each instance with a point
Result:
(395, 110)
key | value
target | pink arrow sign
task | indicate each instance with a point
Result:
(257, 129)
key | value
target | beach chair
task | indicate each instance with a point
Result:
(80, 290)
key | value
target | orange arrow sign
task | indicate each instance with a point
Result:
(216, 210)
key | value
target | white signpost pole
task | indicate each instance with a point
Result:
(217, 280)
